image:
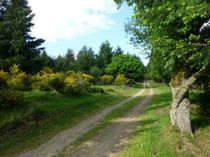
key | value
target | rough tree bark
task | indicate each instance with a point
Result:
(180, 106)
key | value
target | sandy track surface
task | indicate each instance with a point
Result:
(55, 145)
(114, 137)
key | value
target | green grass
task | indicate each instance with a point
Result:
(106, 121)
(155, 136)
(21, 130)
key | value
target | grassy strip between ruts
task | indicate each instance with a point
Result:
(56, 112)
(108, 120)
(155, 136)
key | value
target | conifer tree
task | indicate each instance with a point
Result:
(17, 45)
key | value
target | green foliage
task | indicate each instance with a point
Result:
(129, 65)
(3, 78)
(155, 68)
(65, 63)
(105, 55)
(173, 29)
(96, 90)
(121, 80)
(10, 98)
(107, 79)
(57, 84)
(85, 59)
(95, 71)
(45, 61)
(202, 99)
(17, 46)
(118, 51)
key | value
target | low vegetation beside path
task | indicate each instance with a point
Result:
(156, 137)
(48, 113)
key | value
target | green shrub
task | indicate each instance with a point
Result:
(3, 79)
(202, 99)
(97, 90)
(110, 90)
(106, 79)
(10, 98)
(37, 114)
(204, 102)
(41, 85)
(57, 84)
(121, 80)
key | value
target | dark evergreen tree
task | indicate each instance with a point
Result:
(85, 59)
(105, 55)
(70, 60)
(46, 61)
(118, 51)
(17, 44)
(59, 64)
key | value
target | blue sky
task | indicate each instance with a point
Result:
(71, 24)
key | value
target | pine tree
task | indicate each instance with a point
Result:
(85, 59)
(118, 51)
(70, 60)
(105, 55)
(17, 44)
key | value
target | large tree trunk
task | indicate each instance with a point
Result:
(180, 111)
(180, 106)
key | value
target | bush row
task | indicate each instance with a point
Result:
(48, 80)
(71, 82)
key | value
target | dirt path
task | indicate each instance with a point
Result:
(114, 137)
(55, 145)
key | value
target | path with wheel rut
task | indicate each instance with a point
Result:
(114, 137)
(106, 143)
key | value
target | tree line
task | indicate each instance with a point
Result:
(18, 46)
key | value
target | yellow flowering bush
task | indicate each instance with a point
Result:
(47, 81)
(17, 79)
(77, 83)
(106, 79)
(121, 80)
(87, 77)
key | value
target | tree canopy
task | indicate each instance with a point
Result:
(131, 66)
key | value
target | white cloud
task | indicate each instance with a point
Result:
(67, 19)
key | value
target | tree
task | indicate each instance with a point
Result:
(155, 68)
(118, 51)
(180, 32)
(131, 66)
(70, 60)
(17, 46)
(105, 55)
(46, 61)
(59, 64)
(85, 59)
(66, 62)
